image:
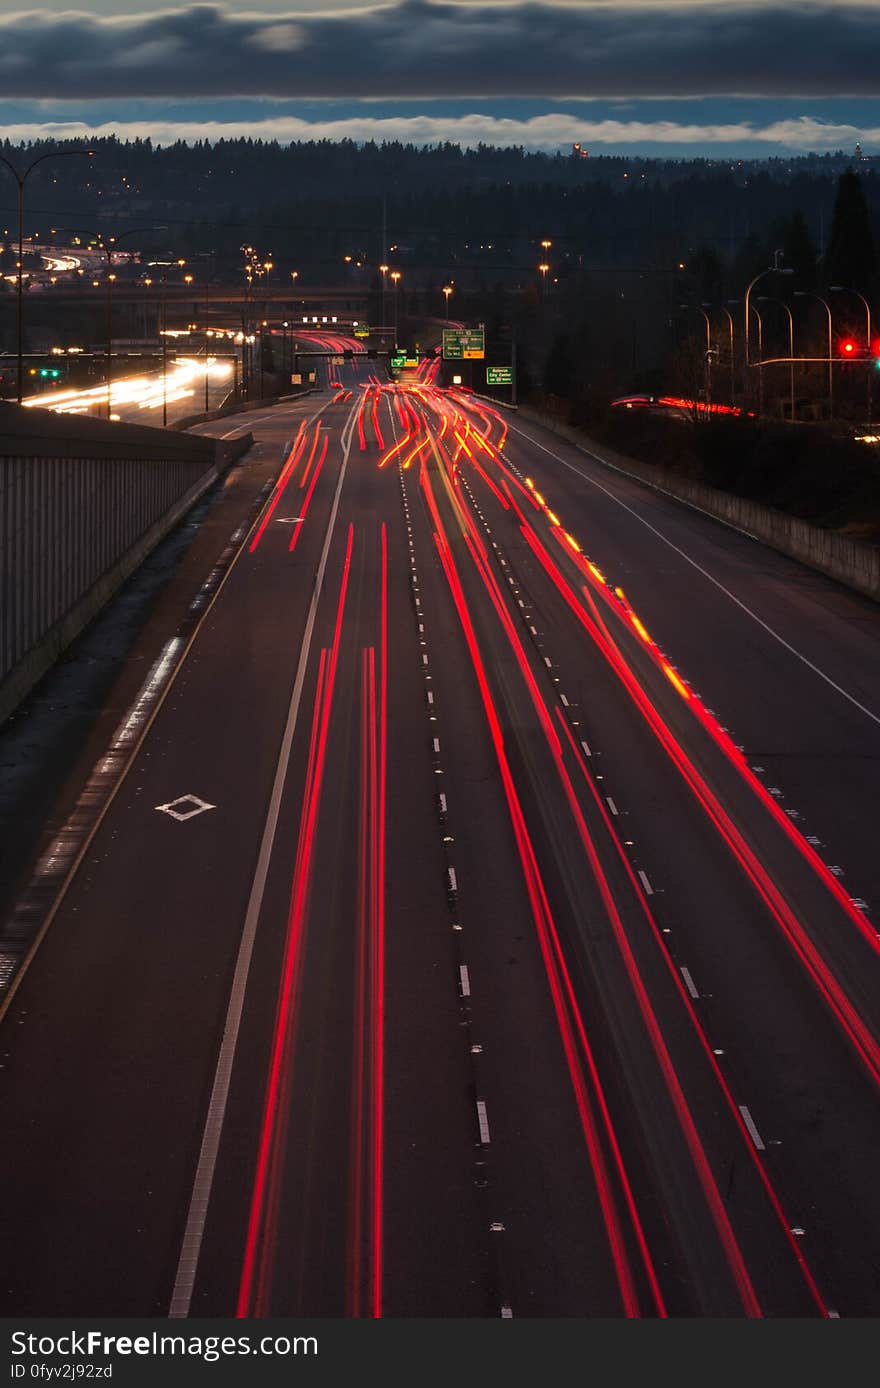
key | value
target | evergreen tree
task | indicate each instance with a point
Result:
(800, 252)
(851, 258)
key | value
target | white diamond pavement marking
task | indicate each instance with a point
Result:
(174, 807)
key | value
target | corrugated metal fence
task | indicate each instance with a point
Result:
(63, 523)
(78, 498)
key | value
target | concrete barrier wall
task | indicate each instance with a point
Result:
(239, 407)
(853, 562)
(82, 502)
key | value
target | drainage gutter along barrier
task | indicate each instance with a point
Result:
(82, 503)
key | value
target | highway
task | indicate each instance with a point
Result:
(178, 393)
(483, 924)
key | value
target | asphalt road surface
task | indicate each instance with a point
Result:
(483, 925)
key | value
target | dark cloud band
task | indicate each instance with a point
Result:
(418, 49)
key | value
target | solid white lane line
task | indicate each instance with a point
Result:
(750, 1124)
(689, 982)
(483, 1121)
(705, 572)
(187, 1266)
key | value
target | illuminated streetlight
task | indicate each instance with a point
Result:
(447, 290)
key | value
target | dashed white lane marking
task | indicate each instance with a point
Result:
(442, 803)
(424, 660)
(750, 1124)
(645, 883)
(453, 880)
(464, 980)
(430, 697)
(184, 1282)
(689, 982)
(483, 1122)
(611, 805)
(705, 572)
(507, 1313)
(548, 662)
(436, 744)
(585, 745)
(564, 700)
(533, 631)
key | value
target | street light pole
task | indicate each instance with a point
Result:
(775, 269)
(164, 353)
(395, 275)
(21, 179)
(769, 299)
(207, 309)
(110, 280)
(842, 289)
(699, 309)
(809, 294)
(727, 311)
(760, 362)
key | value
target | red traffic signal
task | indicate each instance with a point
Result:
(848, 348)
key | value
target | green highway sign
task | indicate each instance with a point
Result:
(464, 344)
(398, 362)
(499, 375)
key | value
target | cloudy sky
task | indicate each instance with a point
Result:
(713, 77)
